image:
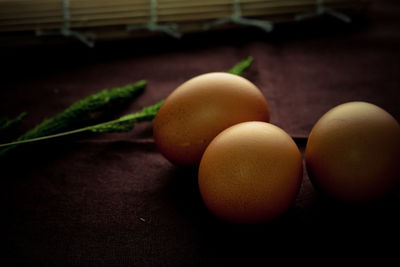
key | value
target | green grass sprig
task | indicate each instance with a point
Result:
(7, 124)
(242, 66)
(127, 122)
(83, 110)
(123, 124)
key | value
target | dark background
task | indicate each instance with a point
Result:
(113, 200)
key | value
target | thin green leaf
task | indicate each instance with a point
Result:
(81, 112)
(7, 124)
(127, 122)
(122, 124)
(242, 66)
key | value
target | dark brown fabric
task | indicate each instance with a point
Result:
(113, 200)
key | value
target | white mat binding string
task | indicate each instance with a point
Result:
(171, 29)
(320, 10)
(86, 38)
(238, 19)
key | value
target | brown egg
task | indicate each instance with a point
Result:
(250, 173)
(353, 153)
(195, 112)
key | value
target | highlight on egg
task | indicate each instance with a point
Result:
(199, 109)
(250, 173)
(353, 153)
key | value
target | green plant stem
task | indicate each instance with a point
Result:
(45, 137)
(85, 110)
(8, 127)
(147, 114)
(82, 112)
(6, 124)
(242, 66)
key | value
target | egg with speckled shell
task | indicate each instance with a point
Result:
(199, 109)
(353, 153)
(250, 173)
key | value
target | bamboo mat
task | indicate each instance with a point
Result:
(103, 19)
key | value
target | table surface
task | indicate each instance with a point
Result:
(113, 200)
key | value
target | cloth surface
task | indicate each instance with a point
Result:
(113, 200)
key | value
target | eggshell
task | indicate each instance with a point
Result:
(250, 173)
(353, 153)
(195, 112)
